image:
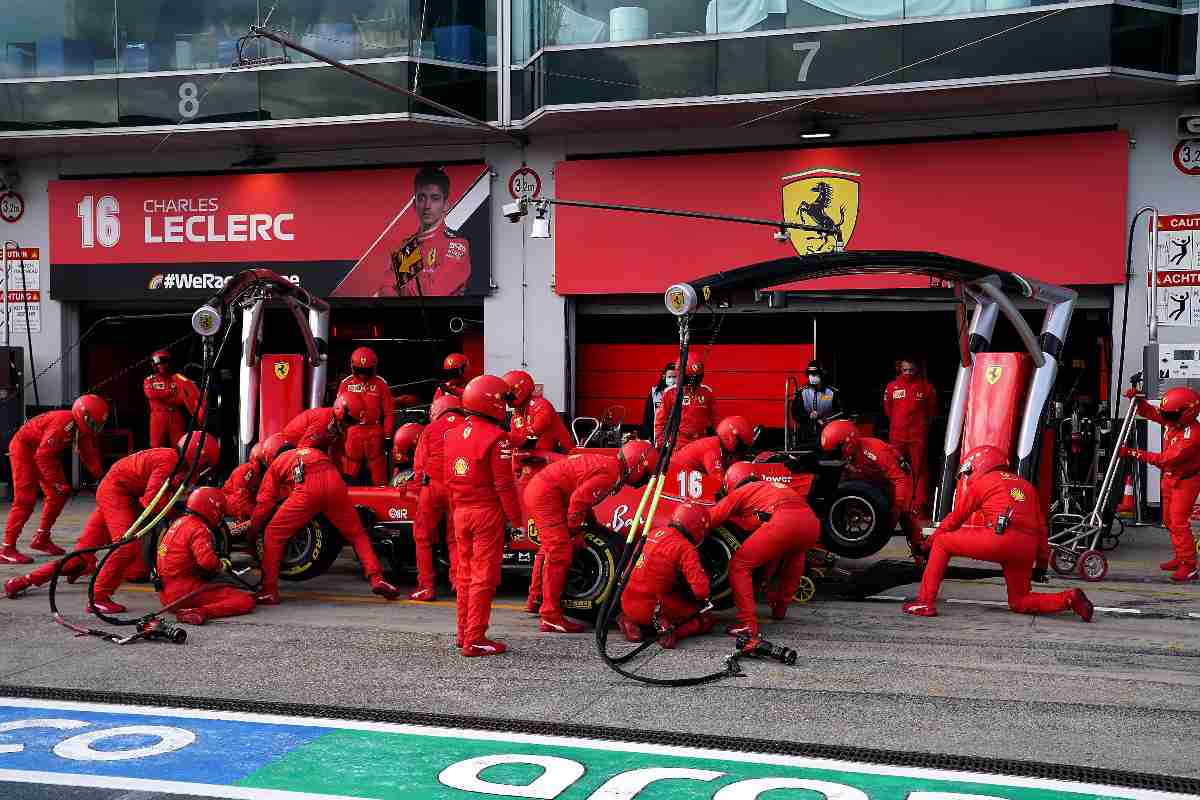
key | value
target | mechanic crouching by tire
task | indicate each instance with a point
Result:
(668, 558)
(187, 561)
(560, 499)
(1180, 465)
(1007, 527)
(366, 441)
(479, 476)
(712, 454)
(35, 453)
(879, 463)
(241, 488)
(433, 504)
(308, 483)
(699, 408)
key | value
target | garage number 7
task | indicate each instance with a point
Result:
(810, 50)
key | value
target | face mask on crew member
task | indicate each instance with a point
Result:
(814, 379)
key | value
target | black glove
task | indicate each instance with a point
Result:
(1039, 575)
(512, 534)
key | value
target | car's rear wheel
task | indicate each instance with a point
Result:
(858, 523)
(716, 551)
(309, 552)
(592, 576)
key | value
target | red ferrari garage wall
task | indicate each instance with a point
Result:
(747, 379)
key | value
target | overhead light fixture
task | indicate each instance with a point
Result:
(541, 222)
(816, 131)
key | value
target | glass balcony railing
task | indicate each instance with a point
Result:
(54, 38)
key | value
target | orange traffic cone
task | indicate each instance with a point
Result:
(1127, 507)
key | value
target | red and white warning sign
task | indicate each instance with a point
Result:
(525, 182)
(23, 278)
(1178, 295)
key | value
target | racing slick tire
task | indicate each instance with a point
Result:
(716, 551)
(593, 574)
(856, 524)
(310, 552)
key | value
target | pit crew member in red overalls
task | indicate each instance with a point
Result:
(173, 400)
(308, 483)
(404, 445)
(560, 498)
(366, 440)
(712, 454)
(187, 562)
(784, 529)
(130, 485)
(241, 488)
(910, 404)
(699, 408)
(877, 462)
(669, 558)
(35, 452)
(325, 428)
(997, 519)
(1180, 465)
(479, 477)
(433, 504)
(454, 370)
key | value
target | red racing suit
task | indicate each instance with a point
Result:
(433, 504)
(560, 498)
(879, 463)
(479, 476)
(129, 486)
(910, 405)
(445, 264)
(703, 455)
(1179, 461)
(667, 556)
(172, 398)
(309, 484)
(699, 414)
(365, 441)
(454, 387)
(317, 428)
(35, 453)
(186, 560)
(969, 530)
(241, 490)
(784, 528)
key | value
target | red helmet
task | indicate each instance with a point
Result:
(982, 460)
(160, 357)
(456, 364)
(520, 387)
(272, 446)
(694, 373)
(256, 454)
(485, 397)
(209, 455)
(739, 473)
(692, 520)
(208, 503)
(639, 460)
(363, 358)
(736, 434)
(838, 433)
(90, 412)
(349, 409)
(405, 439)
(444, 404)
(1180, 404)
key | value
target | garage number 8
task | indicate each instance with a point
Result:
(691, 483)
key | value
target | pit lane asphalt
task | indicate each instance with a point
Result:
(1121, 693)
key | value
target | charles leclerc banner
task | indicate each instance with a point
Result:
(1051, 207)
(392, 232)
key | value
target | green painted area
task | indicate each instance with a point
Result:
(395, 766)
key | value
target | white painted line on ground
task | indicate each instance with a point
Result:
(164, 787)
(564, 741)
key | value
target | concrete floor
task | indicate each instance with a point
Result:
(1121, 693)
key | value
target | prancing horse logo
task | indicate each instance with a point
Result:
(993, 374)
(282, 368)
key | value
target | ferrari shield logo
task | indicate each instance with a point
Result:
(677, 301)
(993, 374)
(827, 198)
(282, 368)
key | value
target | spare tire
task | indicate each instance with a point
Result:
(715, 553)
(593, 574)
(858, 522)
(309, 552)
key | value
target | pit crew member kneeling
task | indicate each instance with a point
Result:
(1007, 527)
(651, 598)
(187, 562)
(309, 484)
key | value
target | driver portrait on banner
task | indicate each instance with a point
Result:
(433, 261)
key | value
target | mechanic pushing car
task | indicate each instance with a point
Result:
(308, 483)
(187, 562)
(560, 498)
(783, 527)
(130, 485)
(36, 456)
(325, 428)
(699, 408)
(1007, 527)
(367, 441)
(433, 503)
(880, 464)
(483, 496)
(241, 488)
(713, 454)
(454, 371)
(910, 404)
(670, 558)
(173, 400)
(1180, 465)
